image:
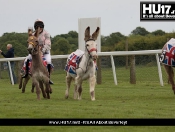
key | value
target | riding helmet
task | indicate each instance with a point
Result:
(38, 23)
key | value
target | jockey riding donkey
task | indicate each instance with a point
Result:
(45, 44)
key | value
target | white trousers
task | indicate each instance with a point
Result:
(46, 56)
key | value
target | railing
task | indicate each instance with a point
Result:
(111, 54)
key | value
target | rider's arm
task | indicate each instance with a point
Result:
(47, 43)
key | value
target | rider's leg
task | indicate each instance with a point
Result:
(49, 64)
(25, 68)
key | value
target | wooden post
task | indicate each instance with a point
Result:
(132, 70)
(126, 49)
(99, 79)
(0, 70)
(18, 68)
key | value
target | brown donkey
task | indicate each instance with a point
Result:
(23, 82)
(40, 74)
(168, 59)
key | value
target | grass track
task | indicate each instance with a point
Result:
(146, 99)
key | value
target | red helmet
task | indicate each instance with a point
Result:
(38, 23)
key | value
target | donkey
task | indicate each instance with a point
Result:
(40, 74)
(167, 58)
(86, 68)
(23, 82)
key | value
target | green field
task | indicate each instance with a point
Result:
(145, 99)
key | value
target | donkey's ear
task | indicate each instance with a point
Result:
(30, 31)
(95, 34)
(87, 34)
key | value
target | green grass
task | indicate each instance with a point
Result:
(145, 99)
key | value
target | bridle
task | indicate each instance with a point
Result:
(34, 43)
(93, 49)
(90, 56)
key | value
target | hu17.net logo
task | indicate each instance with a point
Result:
(157, 10)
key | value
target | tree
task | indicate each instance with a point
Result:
(158, 32)
(140, 31)
(18, 40)
(63, 46)
(112, 39)
(73, 34)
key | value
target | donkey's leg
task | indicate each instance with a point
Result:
(47, 86)
(20, 82)
(36, 83)
(50, 89)
(79, 91)
(170, 73)
(78, 88)
(42, 88)
(75, 91)
(33, 86)
(68, 83)
(25, 83)
(92, 82)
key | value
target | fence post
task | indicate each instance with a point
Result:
(10, 70)
(99, 80)
(18, 69)
(113, 70)
(132, 70)
(0, 69)
(159, 70)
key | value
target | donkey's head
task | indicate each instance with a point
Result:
(91, 45)
(32, 41)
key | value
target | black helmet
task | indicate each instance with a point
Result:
(38, 23)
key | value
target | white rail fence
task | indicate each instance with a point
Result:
(111, 54)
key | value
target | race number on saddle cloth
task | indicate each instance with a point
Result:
(168, 53)
(30, 64)
(74, 60)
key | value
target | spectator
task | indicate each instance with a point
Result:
(10, 54)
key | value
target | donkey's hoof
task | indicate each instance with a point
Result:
(50, 91)
(66, 96)
(50, 82)
(93, 99)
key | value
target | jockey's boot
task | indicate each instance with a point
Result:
(25, 72)
(49, 70)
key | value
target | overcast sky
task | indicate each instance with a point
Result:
(61, 16)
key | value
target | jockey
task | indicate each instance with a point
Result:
(45, 44)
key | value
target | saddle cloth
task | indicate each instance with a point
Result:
(168, 53)
(30, 64)
(73, 61)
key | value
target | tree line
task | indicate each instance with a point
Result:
(138, 39)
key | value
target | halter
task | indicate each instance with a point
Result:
(31, 43)
(93, 49)
(89, 51)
